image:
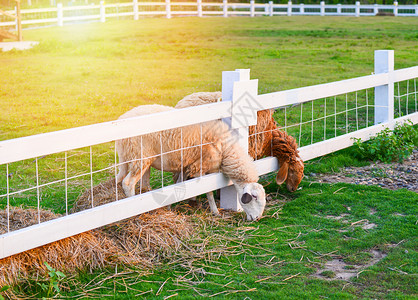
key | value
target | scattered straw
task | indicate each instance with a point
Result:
(142, 240)
(88, 250)
(290, 277)
(164, 236)
(102, 193)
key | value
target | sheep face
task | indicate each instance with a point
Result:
(295, 175)
(253, 200)
(292, 173)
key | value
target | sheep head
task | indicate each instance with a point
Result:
(292, 173)
(252, 198)
(291, 165)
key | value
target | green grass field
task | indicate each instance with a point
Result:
(91, 73)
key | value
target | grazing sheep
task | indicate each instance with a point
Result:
(265, 139)
(219, 152)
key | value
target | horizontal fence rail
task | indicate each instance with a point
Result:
(305, 94)
(59, 166)
(59, 141)
(61, 15)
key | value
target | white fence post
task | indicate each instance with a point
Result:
(416, 10)
(60, 14)
(376, 9)
(167, 9)
(357, 8)
(225, 8)
(383, 95)
(136, 15)
(339, 9)
(289, 8)
(322, 8)
(199, 8)
(271, 8)
(302, 9)
(238, 88)
(252, 8)
(395, 8)
(102, 12)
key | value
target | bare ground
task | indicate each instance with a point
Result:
(338, 269)
(391, 176)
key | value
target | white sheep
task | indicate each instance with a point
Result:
(219, 152)
(265, 139)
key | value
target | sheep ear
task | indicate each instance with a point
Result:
(246, 198)
(282, 174)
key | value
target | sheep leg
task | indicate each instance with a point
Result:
(211, 199)
(212, 204)
(177, 177)
(123, 171)
(135, 174)
(145, 182)
(199, 166)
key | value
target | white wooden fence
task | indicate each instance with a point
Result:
(61, 15)
(237, 90)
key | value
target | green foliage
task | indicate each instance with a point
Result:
(390, 145)
(50, 286)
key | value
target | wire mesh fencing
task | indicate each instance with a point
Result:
(158, 159)
(405, 98)
(68, 182)
(323, 119)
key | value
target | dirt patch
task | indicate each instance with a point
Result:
(390, 176)
(336, 217)
(369, 226)
(365, 224)
(337, 269)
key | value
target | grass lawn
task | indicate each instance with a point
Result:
(91, 73)
(277, 257)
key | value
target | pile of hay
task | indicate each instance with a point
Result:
(87, 250)
(102, 193)
(21, 218)
(142, 240)
(150, 235)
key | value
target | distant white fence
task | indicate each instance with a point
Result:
(323, 118)
(61, 15)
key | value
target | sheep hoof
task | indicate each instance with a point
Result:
(216, 213)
